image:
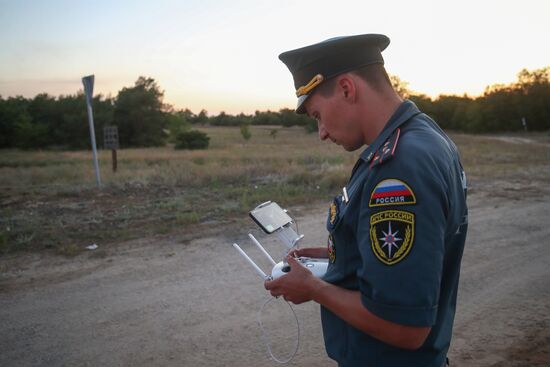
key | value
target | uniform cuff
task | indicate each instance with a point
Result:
(412, 316)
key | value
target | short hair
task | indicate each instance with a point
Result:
(374, 75)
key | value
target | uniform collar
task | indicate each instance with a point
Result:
(404, 112)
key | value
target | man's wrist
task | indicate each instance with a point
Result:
(317, 288)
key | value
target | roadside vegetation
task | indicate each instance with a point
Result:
(222, 166)
(49, 199)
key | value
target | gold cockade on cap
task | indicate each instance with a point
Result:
(305, 89)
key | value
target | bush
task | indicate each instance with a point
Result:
(245, 132)
(192, 139)
(311, 127)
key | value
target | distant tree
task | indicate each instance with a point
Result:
(245, 132)
(400, 86)
(534, 77)
(220, 120)
(224, 119)
(265, 118)
(241, 119)
(45, 116)
(424, 103)
(14, 118)
(46, 122)
(140, 114)
(288, 117)
(533, 95)
(311, 127)
(71, 130)
(444, 108)
(177, 122)
(201, 118)
(472, 117)
(187, 114)
(284, 117)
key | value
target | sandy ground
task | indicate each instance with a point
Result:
(164, 302)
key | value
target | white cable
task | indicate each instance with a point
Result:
(295, 221)
(267, 340)
(265, 335)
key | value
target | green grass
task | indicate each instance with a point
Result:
(50, 199)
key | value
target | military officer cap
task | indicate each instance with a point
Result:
(312, 65)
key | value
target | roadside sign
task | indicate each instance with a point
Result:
(88, 82)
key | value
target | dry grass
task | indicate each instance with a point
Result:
(229, 160)
(50, 200)
(506, 158)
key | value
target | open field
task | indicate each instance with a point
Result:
(165, 288)
(49, 200)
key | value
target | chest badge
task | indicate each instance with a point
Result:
(333, 213)
(391, 235)
(331, 249)
(392, 192)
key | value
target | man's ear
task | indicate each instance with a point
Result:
(347, 88)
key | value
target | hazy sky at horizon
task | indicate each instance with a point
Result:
(222, 55)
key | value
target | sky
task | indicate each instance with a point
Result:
(223, 55)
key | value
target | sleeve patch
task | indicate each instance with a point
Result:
(391, 235)
(392, 192)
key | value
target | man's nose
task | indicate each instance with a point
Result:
(322, 132)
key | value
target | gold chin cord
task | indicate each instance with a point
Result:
(305, 89)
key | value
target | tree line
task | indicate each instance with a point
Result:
(143, 119)
(521, 105)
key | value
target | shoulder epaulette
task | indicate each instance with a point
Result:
(386, 152)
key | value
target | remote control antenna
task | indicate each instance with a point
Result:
(257, 243)
(256, 267)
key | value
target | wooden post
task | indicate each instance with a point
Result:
(113, 155)
(110, 141)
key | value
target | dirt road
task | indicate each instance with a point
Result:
(166, 303)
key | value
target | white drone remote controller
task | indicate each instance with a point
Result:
(272, 219)
(317, 266)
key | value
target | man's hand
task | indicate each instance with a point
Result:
(296, 286)
(300, 285)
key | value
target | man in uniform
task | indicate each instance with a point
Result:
(397, 231)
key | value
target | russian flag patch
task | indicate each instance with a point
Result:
(392, 192)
